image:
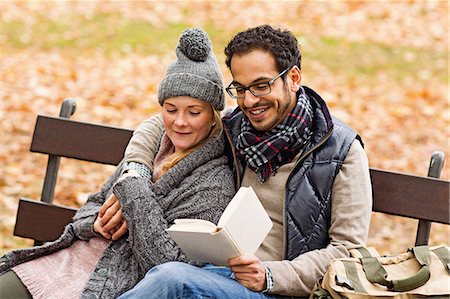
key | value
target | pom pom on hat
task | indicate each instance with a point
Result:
(195, 44)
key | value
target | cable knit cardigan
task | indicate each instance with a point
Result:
(199, 186)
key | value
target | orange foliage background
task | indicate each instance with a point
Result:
(382, 67)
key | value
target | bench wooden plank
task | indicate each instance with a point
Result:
(41, 221)
(79, 140)
(411, 196)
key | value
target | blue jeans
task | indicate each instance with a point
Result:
(176, 280)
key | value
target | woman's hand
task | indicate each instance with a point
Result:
(110, 222)
(249, 271)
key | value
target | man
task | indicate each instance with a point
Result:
(308, 169)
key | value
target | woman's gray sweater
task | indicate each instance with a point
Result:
(199, 186)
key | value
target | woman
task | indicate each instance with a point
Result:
(190, 180)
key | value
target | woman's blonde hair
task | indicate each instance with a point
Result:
(170, 161)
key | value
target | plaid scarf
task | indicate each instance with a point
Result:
(265, 152)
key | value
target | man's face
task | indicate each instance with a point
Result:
(267, 111)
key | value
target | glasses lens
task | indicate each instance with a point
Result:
(236, 92)
(260, 89)
(232, 92)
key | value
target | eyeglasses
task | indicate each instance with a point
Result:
(257, 89)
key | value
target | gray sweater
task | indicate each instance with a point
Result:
(199, 186)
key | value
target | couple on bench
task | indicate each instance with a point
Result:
(308, 169)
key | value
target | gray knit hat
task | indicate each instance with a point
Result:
(195, 73)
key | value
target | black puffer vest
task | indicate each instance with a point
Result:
(307, 212)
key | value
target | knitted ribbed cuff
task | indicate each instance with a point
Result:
(130, 189)
(141, 169)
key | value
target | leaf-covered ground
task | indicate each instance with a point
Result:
(382, 67)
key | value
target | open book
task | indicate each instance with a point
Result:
(242, 228)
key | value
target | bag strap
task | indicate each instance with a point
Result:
(360, 252)
(364, 252)
(444, 255)
(375, 273)
(353, 282)
(320, 293)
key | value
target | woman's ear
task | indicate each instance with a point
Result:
(295, 74)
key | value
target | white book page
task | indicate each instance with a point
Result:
(215, 248)
(193, 225)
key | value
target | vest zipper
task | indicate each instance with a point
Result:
(287, 181)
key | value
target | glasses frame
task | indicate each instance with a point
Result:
(245, 88)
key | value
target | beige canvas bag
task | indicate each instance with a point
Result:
(420, 272)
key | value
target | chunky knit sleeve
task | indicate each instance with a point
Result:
(83, 221)
(146, 223)
(147, 217)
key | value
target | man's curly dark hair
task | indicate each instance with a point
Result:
(282, 44)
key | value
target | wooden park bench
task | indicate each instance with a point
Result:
(424, 198)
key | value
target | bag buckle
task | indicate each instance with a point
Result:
(343, 282)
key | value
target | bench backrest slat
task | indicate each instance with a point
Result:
(411, 196)
(41, 221)
(83, 141)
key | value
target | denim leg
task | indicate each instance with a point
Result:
(176, 280)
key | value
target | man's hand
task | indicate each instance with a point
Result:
(110, 222)
(249, 271)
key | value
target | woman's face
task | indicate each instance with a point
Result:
(187, 121)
